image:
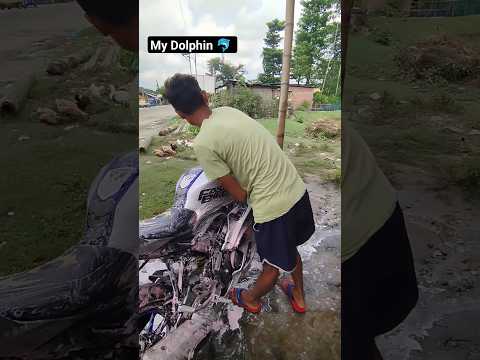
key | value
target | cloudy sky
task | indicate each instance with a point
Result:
(245, 19)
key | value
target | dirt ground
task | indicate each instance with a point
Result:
(424, 133)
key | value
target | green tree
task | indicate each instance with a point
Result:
(316, 55)
(272, 55)
(225, 71)
(160, 90)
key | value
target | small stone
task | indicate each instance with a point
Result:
(452, 129)
(48, 116)
(70, 109)
(148, 162)
(70, 127)
(437, 253)
(23, 138)
(58, 67)
(375, 96)
(96, 91)
(121, 97)
(11, 213)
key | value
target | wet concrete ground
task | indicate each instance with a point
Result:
(444, 233)
(278, 333)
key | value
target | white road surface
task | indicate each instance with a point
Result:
(21, 31)
(151, 121)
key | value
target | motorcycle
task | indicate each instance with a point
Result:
(189, 259)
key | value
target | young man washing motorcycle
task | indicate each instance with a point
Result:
(244, 158)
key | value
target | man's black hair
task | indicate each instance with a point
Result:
(184, 93)
(111, 11)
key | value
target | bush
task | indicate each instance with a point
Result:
(299, 117)
(247, 101)
(270, 108)
(305, 106)
(319, 98)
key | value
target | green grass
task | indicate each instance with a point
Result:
(48, 179)
(157, 183)
(292, 128)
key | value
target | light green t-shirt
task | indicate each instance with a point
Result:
(368, 199)
(230, 142)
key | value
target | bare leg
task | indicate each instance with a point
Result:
(297, 277)
(264, 284)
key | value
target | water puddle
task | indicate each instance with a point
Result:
(278, 333)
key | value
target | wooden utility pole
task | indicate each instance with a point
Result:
(287, 52)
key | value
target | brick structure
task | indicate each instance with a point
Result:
(297, 94)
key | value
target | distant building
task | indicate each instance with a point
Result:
(206, 82)
(297, 94)
(147, 97)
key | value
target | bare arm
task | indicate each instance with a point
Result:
(231, 185)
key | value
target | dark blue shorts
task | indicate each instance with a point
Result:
(277, 240)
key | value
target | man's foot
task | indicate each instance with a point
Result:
(295, 296)
(240, 297)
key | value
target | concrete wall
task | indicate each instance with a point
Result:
(264, 92)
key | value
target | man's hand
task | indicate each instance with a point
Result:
(231, 185)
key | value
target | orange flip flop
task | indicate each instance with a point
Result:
(287, 288)
(235, 296)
